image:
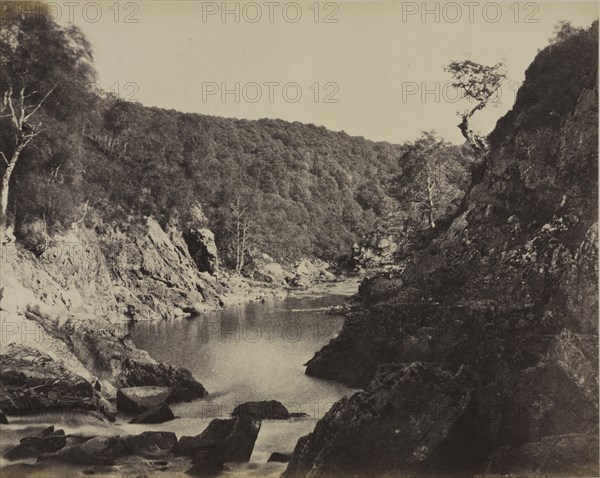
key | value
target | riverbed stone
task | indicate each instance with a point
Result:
(234, 437)
(265, 410)
(141, 399)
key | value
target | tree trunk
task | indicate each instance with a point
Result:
(430, 205)
(4, 225)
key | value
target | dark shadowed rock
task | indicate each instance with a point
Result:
(48, 441)
(266, 410)
(101, 451)
(279, 458)
(233, 437)
(207, 462)
(141, 399)
(159, 414)
(397, 423)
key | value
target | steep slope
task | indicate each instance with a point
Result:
(483, 357)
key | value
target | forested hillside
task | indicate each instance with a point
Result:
(286, 189)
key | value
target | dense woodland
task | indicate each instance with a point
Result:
(292, 190)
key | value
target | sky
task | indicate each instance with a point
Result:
(371, 69)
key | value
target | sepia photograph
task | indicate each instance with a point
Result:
(299, 239)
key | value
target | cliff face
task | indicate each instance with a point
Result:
(68, 310)
(482, 358)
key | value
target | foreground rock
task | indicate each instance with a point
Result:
(31, 381)
(141, 399)
(46, 442)
(159, 414)
(266, 410)
(104, 450)
(234, 438)
(400, 420)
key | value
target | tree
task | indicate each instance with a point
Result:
(46, 74)
(478, 83)
(24, 130)
(240, 231)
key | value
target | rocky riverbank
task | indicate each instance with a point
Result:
(481, 357)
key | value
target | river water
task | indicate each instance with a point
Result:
(242, 353)
(253, 352)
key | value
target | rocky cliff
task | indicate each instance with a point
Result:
(482, 358)
(65, 341)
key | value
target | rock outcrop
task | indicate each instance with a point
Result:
(68, 310)
(497, 315)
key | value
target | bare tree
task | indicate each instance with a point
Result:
(240, 232)
(23, 130)
(478, 83)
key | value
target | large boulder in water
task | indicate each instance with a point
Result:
(159, 414)
(233, 437)
(265, 410)
(141, 399)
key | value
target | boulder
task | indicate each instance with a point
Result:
(104, 450)
(47, 441)
(398, 423)
(159, 414)
(141, 399)
(265, 410)
(279, 458)
(233, 437)
(150, 443)
(100, 451)
(271, 273)
(206, 462)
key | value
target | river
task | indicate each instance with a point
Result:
(242, 353)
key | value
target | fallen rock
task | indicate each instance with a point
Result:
(233, 437)
(32, 447)
(159, 414)
(141, 399)
(279, 458)
(265, 410)
(207, 462)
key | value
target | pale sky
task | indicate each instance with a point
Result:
(377, 59)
